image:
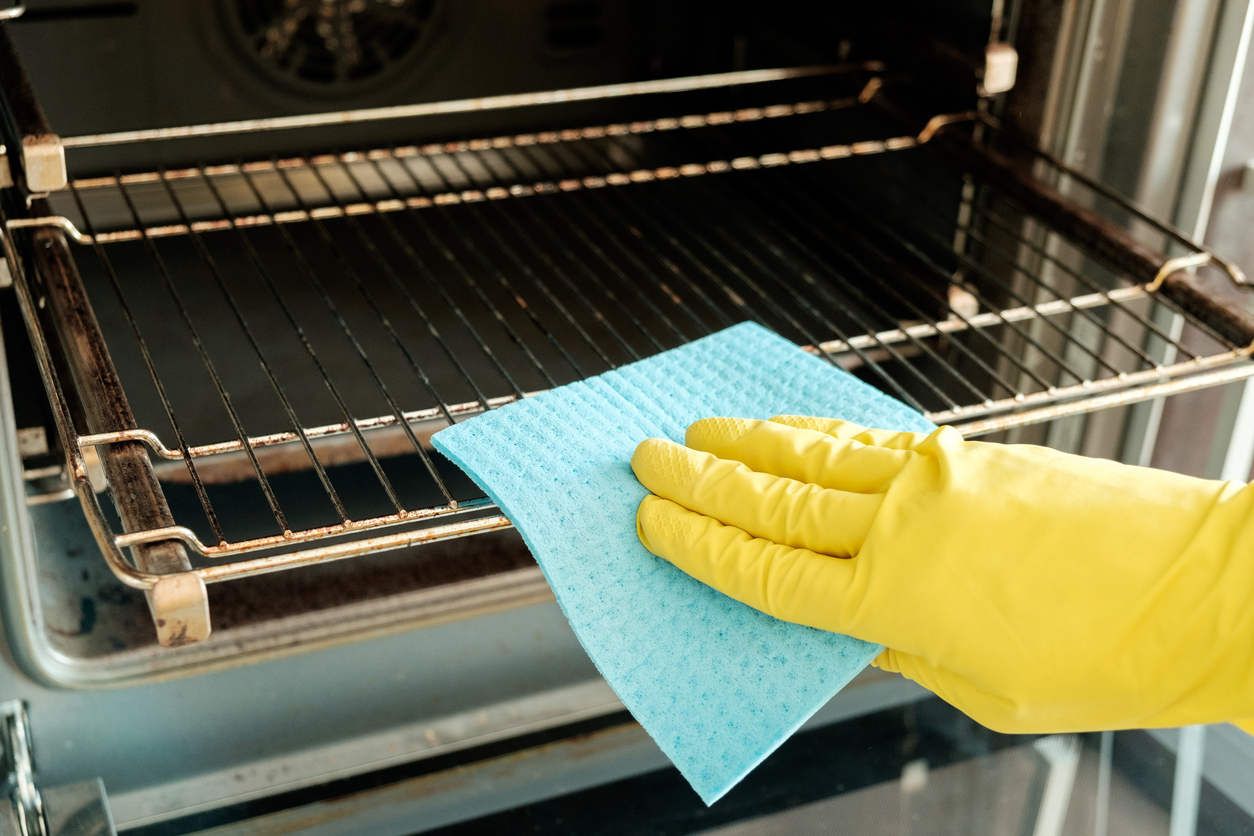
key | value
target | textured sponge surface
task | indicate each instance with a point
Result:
(717, 684)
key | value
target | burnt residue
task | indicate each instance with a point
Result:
(105, 408)
(120, 619)
(86, 621)
(87, 616)
(327, 586)
(95, 615)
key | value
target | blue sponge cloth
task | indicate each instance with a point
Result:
(717, 684)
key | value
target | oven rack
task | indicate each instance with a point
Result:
(395, 290)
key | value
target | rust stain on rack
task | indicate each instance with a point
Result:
(325, 554)
(415, 416)
(186, 535)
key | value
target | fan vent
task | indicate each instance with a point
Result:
(332, 45)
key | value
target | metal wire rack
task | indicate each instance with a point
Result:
(289, 332)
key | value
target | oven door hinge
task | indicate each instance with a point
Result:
(78, 809)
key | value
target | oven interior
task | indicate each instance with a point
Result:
(248, 334)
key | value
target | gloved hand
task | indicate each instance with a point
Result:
(1034, 590)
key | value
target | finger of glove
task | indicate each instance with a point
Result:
(785, 511)
(795, 585)
(997, 713)
(801, 454)
(836, 428)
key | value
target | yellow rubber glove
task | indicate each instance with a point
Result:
(1034, 590)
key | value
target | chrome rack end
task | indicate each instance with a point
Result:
(146, 436)
(870, 90)
(940, 121)
(59, 221)
(1173, 265)
(1235, 274)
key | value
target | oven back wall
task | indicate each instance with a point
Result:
(153, 63)
(102, 67)
(124, 66)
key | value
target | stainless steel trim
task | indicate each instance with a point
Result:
(406, 744)
(585, 760)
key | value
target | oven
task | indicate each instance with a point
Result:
(255, 254)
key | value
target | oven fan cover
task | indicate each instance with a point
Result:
(332, 47)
